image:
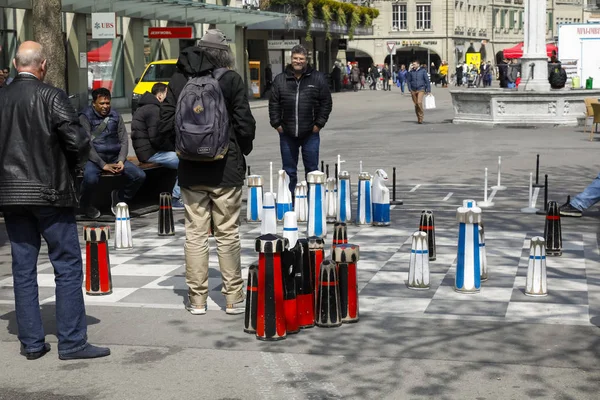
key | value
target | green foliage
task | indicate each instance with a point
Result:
(296, 3)
(354, 22)
(310, 16)
(327, 17)
(341, 17)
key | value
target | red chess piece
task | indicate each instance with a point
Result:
(316, 253)
(289, 284)
(98, 280)
(304, 286)
(346, 257)
(270, 313)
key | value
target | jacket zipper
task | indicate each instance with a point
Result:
(297, 100)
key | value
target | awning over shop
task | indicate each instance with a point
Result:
(517, 51)
(100, 54)
(168, 10)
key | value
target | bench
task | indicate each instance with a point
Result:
(158, 179)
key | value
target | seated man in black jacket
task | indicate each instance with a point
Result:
(110, 146)
(148, 144)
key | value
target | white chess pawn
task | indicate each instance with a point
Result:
(317, 224)
(344, 213)
(123, 239)
(269, 219)
(331, 200)
(301, 201)
(381, 199)
(255, 198)
(364, 209)
(284, 197)
(536, 284)
(418, 272)
(468, 264)
(290, 228)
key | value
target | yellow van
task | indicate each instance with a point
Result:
(156, 71)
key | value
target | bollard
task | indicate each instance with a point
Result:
(536, 284)
(323, 166)
(331, 200)
(485, 202)
(317, 224)
(395, 202)
(248, 171)
(255, 199)
(251, 299)
(270, 314)
(545, 210)
(98, 279)
(328, 314)
(346, 256)
(364, 208)
(482, 253)
(344, 213)
(269, 219)
(301, 201)
(427, 225)
(123, 239)
(166, 223)
(499, 184)
(381, 199)
(284, 197)
(468, 264)
(418, 270)
(553, 230)
(340, 233)
(316, 254)
(304, 286)
(327, 170)
(336, 172)
(530, 209)
(537, 172)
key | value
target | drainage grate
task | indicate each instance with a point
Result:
(521, 127)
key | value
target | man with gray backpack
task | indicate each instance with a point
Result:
(207, 108)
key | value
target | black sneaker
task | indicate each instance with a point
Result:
(92, 212)
(89, 351)
(37, 354)
(567, 210)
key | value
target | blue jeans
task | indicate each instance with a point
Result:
(91, 176)
(401, 85)
(589, 196)
(24, 225)
(170, 160)
(290, 147)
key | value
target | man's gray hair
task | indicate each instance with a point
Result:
(30, 57)
(299, 49)
(220, 58)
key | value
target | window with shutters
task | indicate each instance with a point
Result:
(424, 16)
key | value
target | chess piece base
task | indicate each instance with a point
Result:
(99, 293)
(498, 187)
(485, 204)
(536, 295)
(529, 210)
(418, 288)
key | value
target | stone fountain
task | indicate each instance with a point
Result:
(534, 102)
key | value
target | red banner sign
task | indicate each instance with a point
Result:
(170, 32)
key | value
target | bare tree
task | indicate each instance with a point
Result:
(47, 30)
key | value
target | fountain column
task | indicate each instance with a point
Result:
(534, 63)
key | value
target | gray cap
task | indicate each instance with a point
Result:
(215, 39)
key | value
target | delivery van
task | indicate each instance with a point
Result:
(156, 71)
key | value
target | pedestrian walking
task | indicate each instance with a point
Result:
(418, 84)
(110, 146)
(374, 73)
(402, 77)
(459, 75)
(386, 75)
(299, 108)
(211, 188)
(38, 198)
(443, 73)
(355, 75)
(363, 80)
(149, 145)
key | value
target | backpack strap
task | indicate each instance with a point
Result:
(219, 72)
(100, 128)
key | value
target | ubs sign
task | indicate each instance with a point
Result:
(104, 26)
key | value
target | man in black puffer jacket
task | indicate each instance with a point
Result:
(299, 108)
(148, 144)
(213, 190)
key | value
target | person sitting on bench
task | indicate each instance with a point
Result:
(108, 153)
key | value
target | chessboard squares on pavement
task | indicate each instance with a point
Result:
(390, 305)
(116, 296)
(486, 293)
(153, 296)
(144, 269)
(554, 296)
(396, 286)
(176, 283)
(43, 280)
(166, 251)
(157, 241)
(573, 244)
(558, 272)
(7, 293)
(461, 307)
(548, 313)
(556, 283)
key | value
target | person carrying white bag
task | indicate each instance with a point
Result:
(429, 102)
(418, 84)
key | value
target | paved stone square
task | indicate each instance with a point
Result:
(499, 344)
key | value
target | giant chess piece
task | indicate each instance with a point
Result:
(331, 200)
(98, 279)
(290, 232)
(469, 203)
(317, 224)
(346, 256)
(344, 211)
(364, 208)
(536, 270)
(340, 233)
(304, 285)
(270, 314)
(269, 218)
(482, 253)
(301, 201)
(123, 239)
(553, 231)
(328, 313)
(316, 252)
(251, 299)
(166, 223)
(381, 199)
(284, 197)
(290, 228)
(418, 271)
(468, 264)
(427, 225)
(255, 199)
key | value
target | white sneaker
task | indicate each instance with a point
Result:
(196, 310)
(238, 308)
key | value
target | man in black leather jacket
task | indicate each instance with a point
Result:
(41, 145)
(299, 108)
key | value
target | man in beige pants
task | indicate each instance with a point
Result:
(418, 83)
(212, 190)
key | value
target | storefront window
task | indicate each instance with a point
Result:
(105, 62)
(8, 43)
